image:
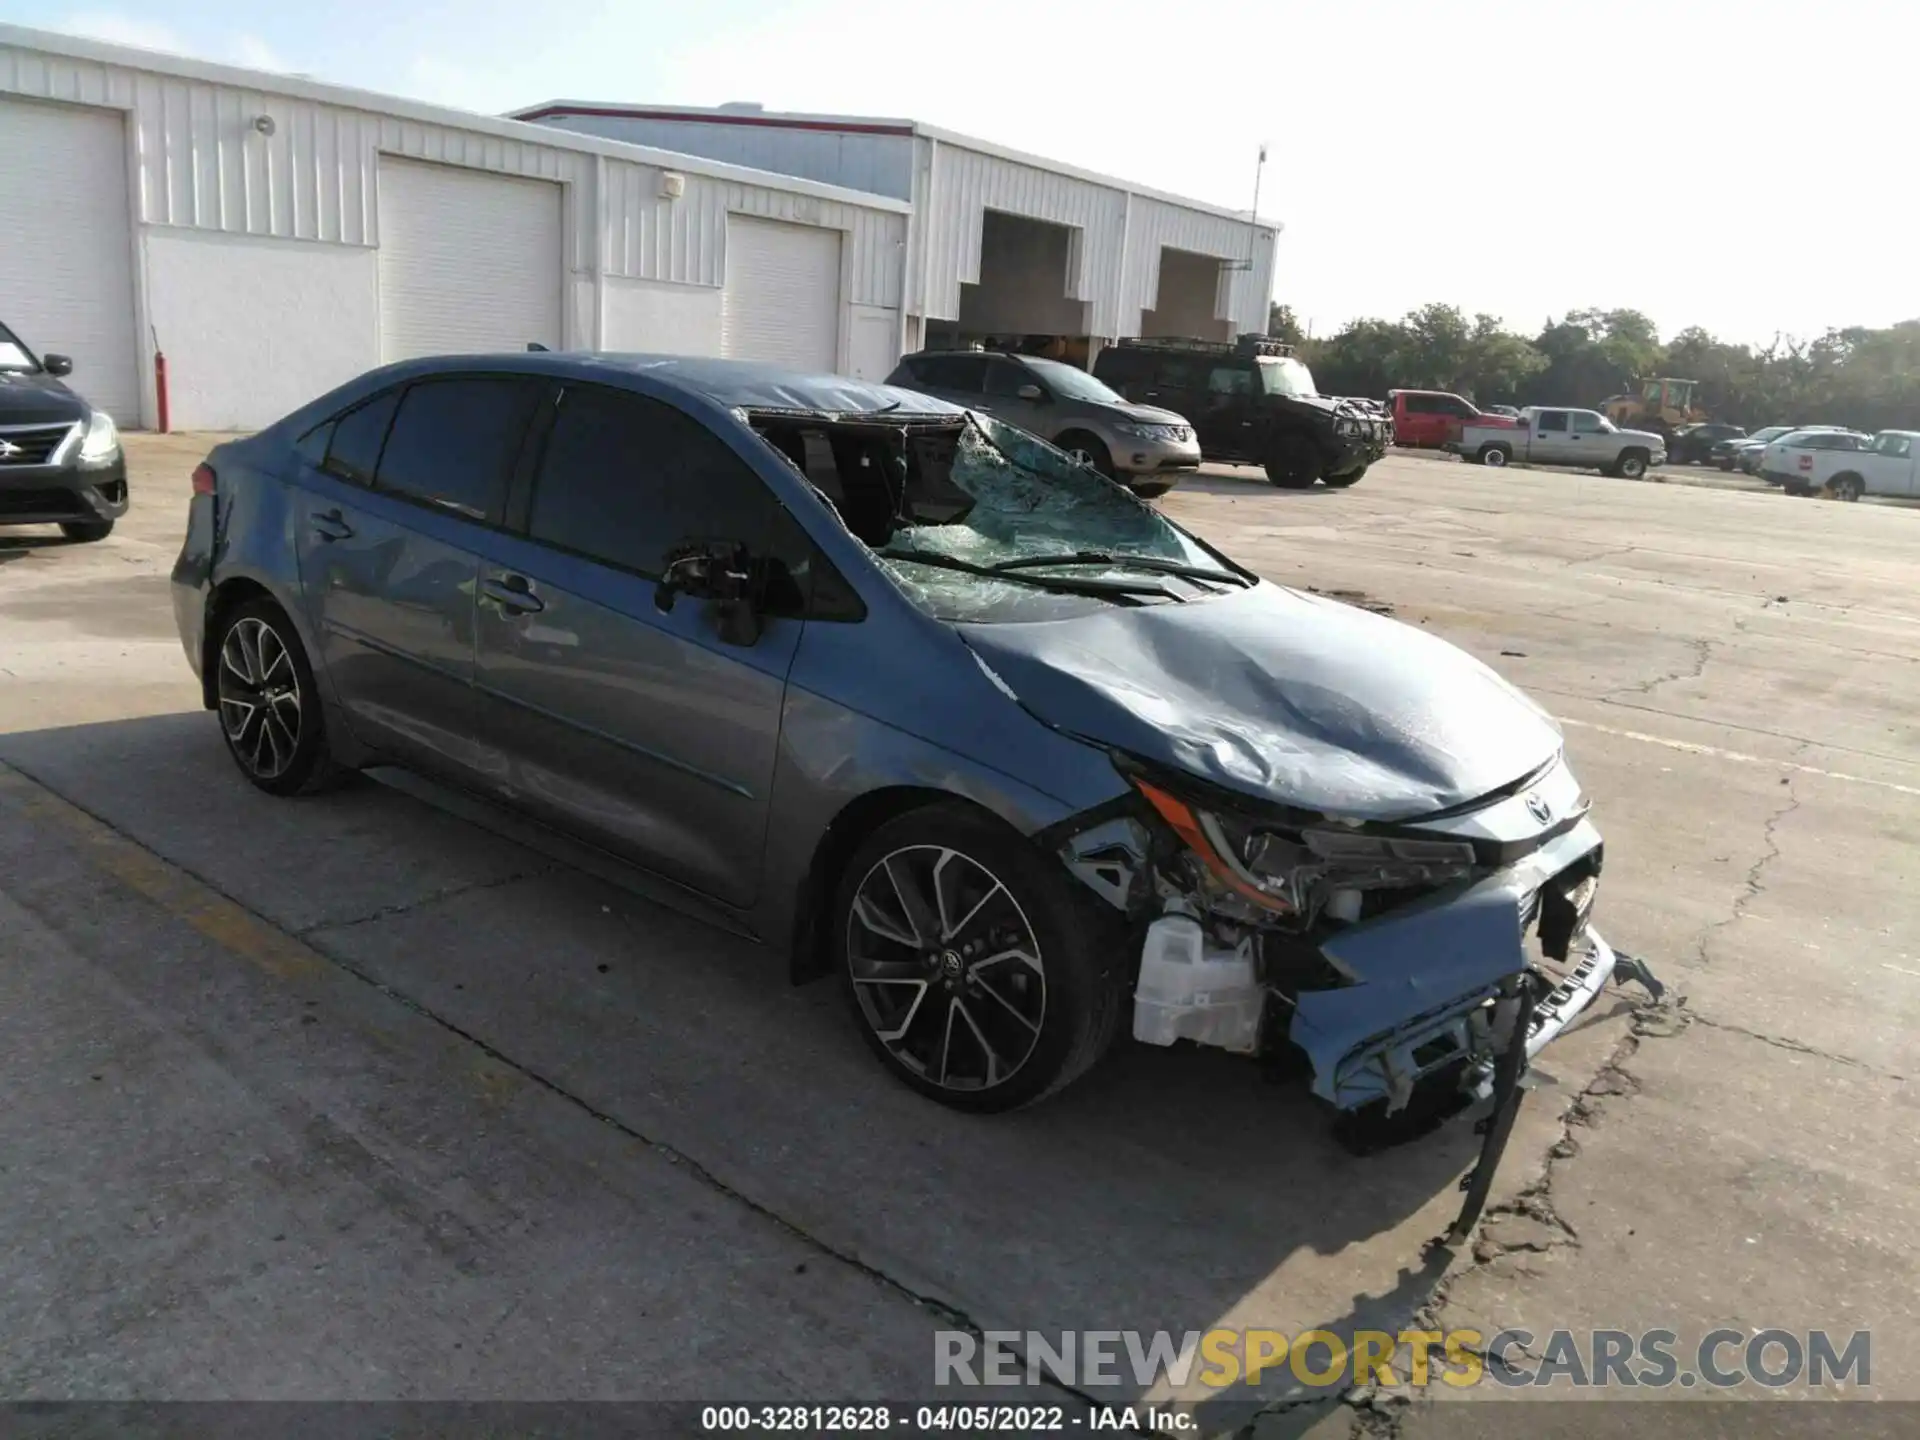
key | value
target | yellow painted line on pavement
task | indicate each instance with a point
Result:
(227, 923)
(1738, 756)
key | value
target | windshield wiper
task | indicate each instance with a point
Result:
(1106, 589)
(1122, 562)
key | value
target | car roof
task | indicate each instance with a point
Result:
(734, 384)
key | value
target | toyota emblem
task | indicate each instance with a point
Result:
(1539, 809)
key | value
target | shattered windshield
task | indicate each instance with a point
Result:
(999, 525)
(1286, 376)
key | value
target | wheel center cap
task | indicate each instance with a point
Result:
(950, 962)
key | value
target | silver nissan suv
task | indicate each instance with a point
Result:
(1145, 448)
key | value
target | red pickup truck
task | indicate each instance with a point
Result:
(1428, 419)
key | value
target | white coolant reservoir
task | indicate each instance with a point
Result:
(1190, 990)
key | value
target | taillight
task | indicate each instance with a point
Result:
(203, 479)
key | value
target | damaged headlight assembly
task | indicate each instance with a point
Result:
(1395, 963)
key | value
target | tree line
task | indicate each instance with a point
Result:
(1864, 378)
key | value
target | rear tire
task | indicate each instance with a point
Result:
(978, 972)
(269, 706)
(1495, 455)
(1847, 487)
(84, 532)
(1088, 450)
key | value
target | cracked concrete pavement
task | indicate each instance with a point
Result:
(391, 1106)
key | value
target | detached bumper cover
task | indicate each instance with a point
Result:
(1425, 975)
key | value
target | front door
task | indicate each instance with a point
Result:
(1002, 398)
(1551, 442)
(641, 729)
(1589, 442)
(1227, 416)
(393, 497)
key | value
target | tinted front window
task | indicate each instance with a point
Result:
(354, 450)
(1224, 380)
(1586, 422)
(453, 443)
(1004, 378)
(626, 479)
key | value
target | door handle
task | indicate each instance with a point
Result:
(512, 594)
(330, 525)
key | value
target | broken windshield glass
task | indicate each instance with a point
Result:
(989, 495)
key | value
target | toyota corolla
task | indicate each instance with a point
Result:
(916, 700)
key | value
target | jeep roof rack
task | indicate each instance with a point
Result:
(1248, 344)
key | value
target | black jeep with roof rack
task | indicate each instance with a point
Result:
(1253, 403)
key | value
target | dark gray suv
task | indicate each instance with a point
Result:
(1147, 448)
(908, 695)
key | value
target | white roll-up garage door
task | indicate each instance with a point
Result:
(66, 245)
(782, 296)
(469, 261)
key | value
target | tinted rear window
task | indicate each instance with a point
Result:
(626, 479)
(453, 443)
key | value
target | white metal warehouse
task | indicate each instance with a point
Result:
(273, 236)
(1000, 243)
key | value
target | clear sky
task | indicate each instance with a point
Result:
(1748, 167)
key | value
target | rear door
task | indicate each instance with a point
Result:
(1419, 425)
(395, 494)
(637, 727)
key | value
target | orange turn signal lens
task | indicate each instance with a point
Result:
(1177, 813)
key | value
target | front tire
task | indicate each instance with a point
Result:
(1152, 489)
(1294, 464)
(1631, 465)
(1088, 450)
(978, 973)
(85, 532)
(1352, 477)
(269, 705)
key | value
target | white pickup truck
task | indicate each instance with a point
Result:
(1884, 465)
(1548, 435)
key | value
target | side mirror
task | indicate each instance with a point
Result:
(1031, 392)
(57, 364)
(719, 571)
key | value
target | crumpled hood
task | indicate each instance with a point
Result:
(1282, 696)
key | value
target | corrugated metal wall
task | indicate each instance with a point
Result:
(860, 160)
(199, 162)
(649, 238)
(1110, 224)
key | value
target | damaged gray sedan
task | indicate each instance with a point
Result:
(914, 698)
